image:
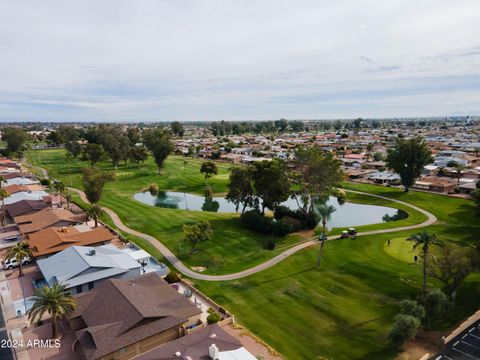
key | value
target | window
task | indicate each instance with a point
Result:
(90, 285)
(79, 289)
(123, 350)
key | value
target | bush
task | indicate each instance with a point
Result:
(412, 308)
(172, 277)
(404, 328)
(213, 317)
(436, 305)
(153, 188)
(281, 228)
(45, 182)
(254, 220)
(269, 243)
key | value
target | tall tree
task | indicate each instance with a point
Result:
(270, 181)
(452, 266)
(424, 240)
(93, 153)
(138, 154)
(325, 212)
(208, 168)
(74, 148)
(315, 174)
(19, 251)
(177, 128)
(56, 301)
(158, 141)
(408, 158)
(240, 188)
(15, 139)
(93, 182)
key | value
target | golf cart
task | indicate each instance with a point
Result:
(344, 234)
(352, 231)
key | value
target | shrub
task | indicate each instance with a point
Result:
(436, 305)
(213, 317)
(281, 228)
(404, 328)
(153, 188)
(269, 243)
(412, 308)
(45, 182)
(254, 220)
(172, 277)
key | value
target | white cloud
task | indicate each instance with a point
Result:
(188, 60)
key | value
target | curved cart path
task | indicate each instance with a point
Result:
(170, 256)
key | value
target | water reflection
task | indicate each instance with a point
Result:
(347, 214)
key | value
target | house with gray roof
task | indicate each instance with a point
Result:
(82, 268)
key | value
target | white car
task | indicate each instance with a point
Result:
(12, 263)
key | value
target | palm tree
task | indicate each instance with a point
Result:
(68, 197)
(3, 195)
(59, 188)
(93, 212)
(425, 240)
(459, 168)
(18, 252)
(55, 301)
(325, 212)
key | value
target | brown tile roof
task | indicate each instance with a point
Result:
(43, 219)
(15, 174)
(24, 207)
(122, 312)
(12, 189)
(55, 239)
(194, 345)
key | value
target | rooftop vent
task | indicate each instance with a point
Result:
(213, 336)
(178, 354)
(213, 352)
(91, 252)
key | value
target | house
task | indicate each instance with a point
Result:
(25, 207)
(211, 342)
(435, 183)
(123, 318)
(54, 239)
(27, 195)
(384, 178)
(46, 218)
(13, 189)
(82, 268)
(21, 180)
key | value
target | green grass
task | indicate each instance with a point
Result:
(232, 248)
(342, 311)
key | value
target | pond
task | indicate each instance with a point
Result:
(347, 214)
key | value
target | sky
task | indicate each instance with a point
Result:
(165, 60)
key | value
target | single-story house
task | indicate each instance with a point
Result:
(46, 218)
(123, 318)
(211, 342)
(384, 178)
(25, 207)
(51, 240)
(26, 195)
(81, 268)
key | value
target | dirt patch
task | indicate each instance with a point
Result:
(426, 342)
(252, 343)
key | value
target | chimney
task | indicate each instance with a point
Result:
(213, 352)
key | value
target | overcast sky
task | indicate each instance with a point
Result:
(234, 60)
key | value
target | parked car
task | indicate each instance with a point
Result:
(12, 263)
